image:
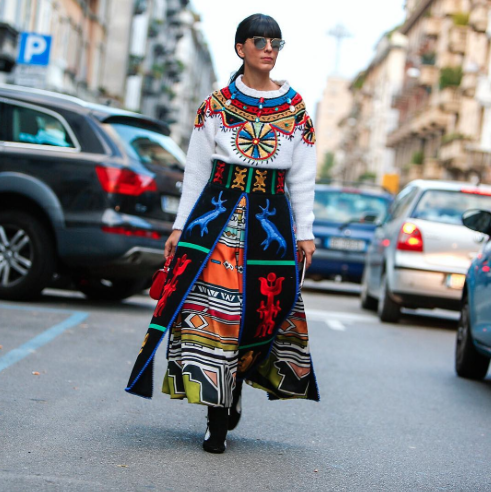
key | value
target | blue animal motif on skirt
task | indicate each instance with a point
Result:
(206, 218)
(272, 233)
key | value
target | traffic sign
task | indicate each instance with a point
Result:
(34, 49)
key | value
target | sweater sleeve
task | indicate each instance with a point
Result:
(198, 164)
(300, 180)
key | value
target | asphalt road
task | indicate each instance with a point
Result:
(393, 415)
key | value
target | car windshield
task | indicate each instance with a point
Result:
(448, 206)
(343, 206)
(147, 146)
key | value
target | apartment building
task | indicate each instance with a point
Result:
(444, 105)
(362, 152)
(170, 68)
(334, 106)
(78, 50)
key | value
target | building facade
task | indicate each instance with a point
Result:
(363, 152)
(148, 56)
(333, 107)
(78, 50)
(170, 68)
(444, 105)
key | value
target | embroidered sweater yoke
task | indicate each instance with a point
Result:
(263, 129)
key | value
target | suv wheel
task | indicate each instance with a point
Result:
(27, 256)
(388, 310)
(469, 363)
(367, 301)
(101, 289)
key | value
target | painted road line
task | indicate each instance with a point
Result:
(317, 315)
(15, 355)
(334, 324)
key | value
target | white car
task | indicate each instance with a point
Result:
(421, 253)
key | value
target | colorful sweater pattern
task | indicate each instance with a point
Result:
(264, 129)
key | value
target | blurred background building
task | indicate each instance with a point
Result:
(422, 108)
(145, 55)
(333, 107)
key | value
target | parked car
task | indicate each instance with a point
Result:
(86, 191)
(420, 254)
(346, 216)
(473, 346)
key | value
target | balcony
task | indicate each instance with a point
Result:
(469, 83)
(429, 121)
(428, 75)
(450, 7)
(449, 100)
(448, 59)
(432, 26)
(478, 19)
(432, 168)
(458, 39)
(453, 153)
(415, 171)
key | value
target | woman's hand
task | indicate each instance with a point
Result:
(308, 248)
(171, 243)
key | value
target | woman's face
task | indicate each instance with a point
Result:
(261, 60)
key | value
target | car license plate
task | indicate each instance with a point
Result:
(170, 204)
(455, 281)
(345, 244)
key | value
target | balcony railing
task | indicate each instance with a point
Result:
(428, 75)
(428, 122)
(432, 168)
(449, 100)
(454, 153)
(450, 7)
(432, 26)
(415, 171)
(479, 18)
(469, 83)
(458, 39)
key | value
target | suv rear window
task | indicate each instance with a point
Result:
(342, 206)
(147, 146)
(448, 206)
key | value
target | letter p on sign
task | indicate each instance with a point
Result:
(34, 49)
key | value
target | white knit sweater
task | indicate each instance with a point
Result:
(264, 129)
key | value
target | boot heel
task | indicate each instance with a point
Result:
(236, 408)
(216, 432)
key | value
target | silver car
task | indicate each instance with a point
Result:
(420, 254)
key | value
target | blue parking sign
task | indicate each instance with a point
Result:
(34, 49)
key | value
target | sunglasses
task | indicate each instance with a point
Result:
(260, 43)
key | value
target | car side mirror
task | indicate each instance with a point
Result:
(477, 220)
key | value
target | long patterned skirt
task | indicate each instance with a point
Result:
(232, 300)
(204, 341)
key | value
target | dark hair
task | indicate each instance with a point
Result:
(254, 25)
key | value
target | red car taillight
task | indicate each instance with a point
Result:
(127, 231)
(124, 181)
(410, 238)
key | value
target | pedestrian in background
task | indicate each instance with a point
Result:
(232, 298)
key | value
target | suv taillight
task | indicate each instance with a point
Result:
(410, 238)
(124, 181)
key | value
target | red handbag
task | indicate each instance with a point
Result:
(159, 278)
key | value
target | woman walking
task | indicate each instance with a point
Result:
(232, 299)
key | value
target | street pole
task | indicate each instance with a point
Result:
(339, 33)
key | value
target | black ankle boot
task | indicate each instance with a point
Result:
(216, 431)
(236, 408)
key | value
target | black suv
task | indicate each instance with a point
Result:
(87, 192)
